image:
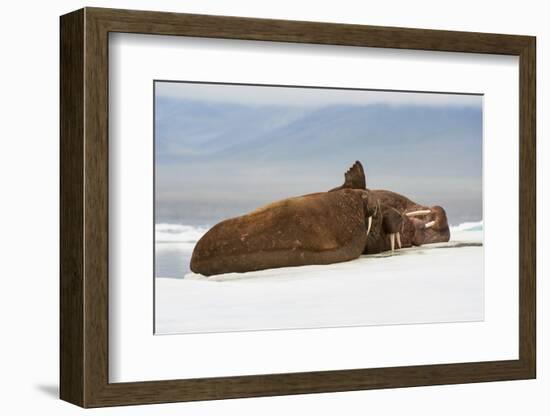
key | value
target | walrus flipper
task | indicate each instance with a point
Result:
(354, 178)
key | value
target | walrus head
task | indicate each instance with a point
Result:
(430, 225)
(387, 227)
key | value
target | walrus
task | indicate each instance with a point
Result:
(397, 219)
(387, 228)
(319, 228)
(421, 224)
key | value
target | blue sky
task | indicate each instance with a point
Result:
(222, 150)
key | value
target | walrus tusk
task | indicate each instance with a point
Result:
(392, 241)
(368, 226)
(429, 224)
(420, 212)
(398, 240)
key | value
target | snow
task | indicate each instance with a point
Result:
(434, 283)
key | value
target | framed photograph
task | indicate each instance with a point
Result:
(255, 207)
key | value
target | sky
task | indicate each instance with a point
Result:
(223, 150)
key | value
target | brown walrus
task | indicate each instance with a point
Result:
(388, 225)
(421, 224)
(320, 228)
(397, 219)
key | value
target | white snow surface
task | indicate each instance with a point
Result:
(429, 284)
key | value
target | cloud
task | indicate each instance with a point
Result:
(255, 95)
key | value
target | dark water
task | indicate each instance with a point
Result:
(171, 260)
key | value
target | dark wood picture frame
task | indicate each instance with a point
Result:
(84, 207)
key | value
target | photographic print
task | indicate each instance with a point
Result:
(295, 207)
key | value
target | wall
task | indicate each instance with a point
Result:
(29, 209)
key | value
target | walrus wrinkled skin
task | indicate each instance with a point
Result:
(320, 228)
